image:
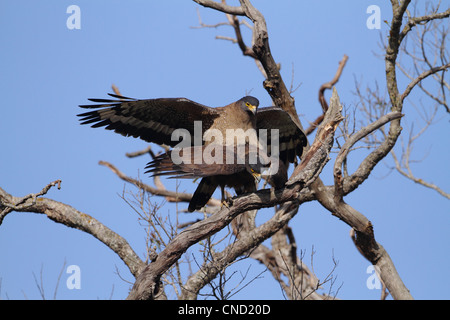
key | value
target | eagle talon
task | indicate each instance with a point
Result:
(225, 203)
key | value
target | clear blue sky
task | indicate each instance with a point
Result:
(149, 50)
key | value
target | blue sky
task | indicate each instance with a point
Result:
(149, 50)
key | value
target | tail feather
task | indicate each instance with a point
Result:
(202, 194)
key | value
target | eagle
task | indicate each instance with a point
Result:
(165, 121)
(155, 120)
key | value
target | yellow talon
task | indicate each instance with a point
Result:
(224, 203)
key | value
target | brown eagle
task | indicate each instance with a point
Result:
(156, 121)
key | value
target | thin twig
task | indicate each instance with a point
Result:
(322, 100)
(422, 76)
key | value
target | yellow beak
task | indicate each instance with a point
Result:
(251, 107)
(256, 175)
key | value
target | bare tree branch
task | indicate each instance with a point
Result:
(338, 177)
(422, 76)
(422, 20)
(322, 99)
(331, 83)
(69, 216)
(171, 196)
(221, 7)
(246, 51)
(23, 203)
(274, 83)
(365, 241)
(408, 174)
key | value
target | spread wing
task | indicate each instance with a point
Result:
(291, 138)
(152, 120)
(194, 162)
(238, 173)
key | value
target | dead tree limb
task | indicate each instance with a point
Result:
(322, 100)
(71, 217)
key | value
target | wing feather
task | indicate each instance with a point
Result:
(292, 139)
(152, 120)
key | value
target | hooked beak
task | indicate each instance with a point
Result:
(257, 176)
(252, 108)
